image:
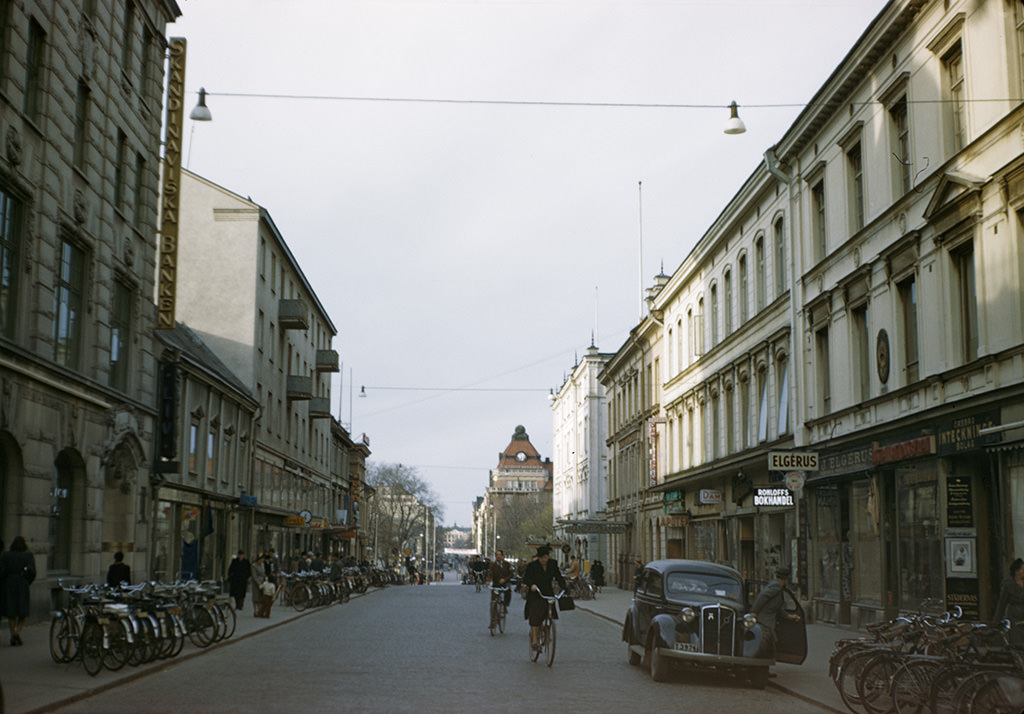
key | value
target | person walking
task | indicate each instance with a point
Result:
(239, 573)
(18, 570)
(119, 572)
(258, 572)
(597, 574)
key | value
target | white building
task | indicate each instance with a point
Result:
(579, 462)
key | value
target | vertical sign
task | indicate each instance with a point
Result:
(170, 192)
(652, 436)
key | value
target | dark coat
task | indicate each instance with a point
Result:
(239, 573)
(768, 605)
(1010, 605)
(17, 570)
(597, 573)
(544, 579)
(118, 573)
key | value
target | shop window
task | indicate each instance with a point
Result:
(920, 545)
(828, 535)
(864, 556)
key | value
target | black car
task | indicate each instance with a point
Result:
(696, 613)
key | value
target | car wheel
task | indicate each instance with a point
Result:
(759, 677)
(657, 664)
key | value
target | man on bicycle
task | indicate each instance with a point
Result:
(478, 568)
(539, 577)
(500, 573)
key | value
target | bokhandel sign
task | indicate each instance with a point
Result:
(773, 497)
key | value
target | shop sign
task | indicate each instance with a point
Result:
(319, 523)
(191, 514)
(959, 502)
(773, 497)
(964, 592)
(294, 521)
(246, 500)
(670, 496)
(710, 496)
(792, 461)
(675, 521)
(902, 450)
(844, 462)
(962, 433)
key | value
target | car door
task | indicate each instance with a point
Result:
(644, 603)
(791, 636)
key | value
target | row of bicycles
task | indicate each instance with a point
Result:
(112, 627)
(932, 663)
(306, 589)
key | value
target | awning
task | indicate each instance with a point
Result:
(593, 526)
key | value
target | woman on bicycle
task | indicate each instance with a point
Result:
(539, 577)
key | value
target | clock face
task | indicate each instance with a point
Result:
(520, 456)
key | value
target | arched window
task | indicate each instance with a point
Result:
(744, 295)
(759, 267)
(727, 304)
(780, 256)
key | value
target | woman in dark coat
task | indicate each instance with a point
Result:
(18, 570)
(539, 577)
(597, 574)
(239, 573)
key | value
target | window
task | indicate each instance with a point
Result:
(824, 371)
(762, 410)
(10, 241)
(5, 18)
(818, 220)
(699, 329)
(68, 299)
(120, 336)
(908, 303)
(744, 296)
(691, 336)
(954, 67)
(715, 434)
(139, 202)
(81, 125)
(670, 347)
(119, 150)
(861, 352)
(193, 447)
(761, 274)
(211, 454)
(780, 256)
(730, 426)
(967, 300)
(783, 370)
(727, 306)
(901, 145)
(126, 37)
(1018, 19)
(34, 70)
(680, 347)
(714, 315)
(148, 63)
(745, 434)
(855, 176)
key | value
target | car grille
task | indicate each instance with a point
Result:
(717, 630)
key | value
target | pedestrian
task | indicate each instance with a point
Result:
(539, 580)
(18, 570)
(317, 564)
(597, 574)
(239, 573)
(258, 572)
(1010, 605)
(769, 606)
(119, 572)
(638, 567)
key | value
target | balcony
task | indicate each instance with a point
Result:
(299, 387)
(291, 315)
(319, 408)
(327, 361)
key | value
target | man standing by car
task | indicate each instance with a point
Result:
(769, 603)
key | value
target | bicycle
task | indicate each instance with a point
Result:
(499, 610)
(546, 634)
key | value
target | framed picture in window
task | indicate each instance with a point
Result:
(960, 558)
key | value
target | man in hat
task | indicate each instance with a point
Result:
(769, 603)
(538, 579)
(239, 573)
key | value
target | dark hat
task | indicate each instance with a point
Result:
(542, 551)
(783, 571)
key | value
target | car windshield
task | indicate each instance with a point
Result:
(681, 585)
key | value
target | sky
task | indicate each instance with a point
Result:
(472, 191)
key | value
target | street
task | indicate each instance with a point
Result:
(423, 649)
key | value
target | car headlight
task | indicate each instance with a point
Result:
(688, 615)
(749, 620)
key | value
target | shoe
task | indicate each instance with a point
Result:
(772, 675)
(18, 638)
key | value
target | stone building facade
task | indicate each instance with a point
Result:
(80, 115)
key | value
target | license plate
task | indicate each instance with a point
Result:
(686, 647)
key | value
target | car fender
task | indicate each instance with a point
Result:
(665, 627)
(755, 644)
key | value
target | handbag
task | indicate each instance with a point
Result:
(268, 588)
(566, 603)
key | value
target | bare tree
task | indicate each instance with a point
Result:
(401, 504)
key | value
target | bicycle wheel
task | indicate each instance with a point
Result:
(301, 597)
(911, 685)
(118, 648)
(201, 627)
(231, 617)
(502, 614)
(91, 648)
(549, 643)
(849, 677)
(873, 684)
(1001, 694)
(944, 686)
(495, 614)
(968, 688)
(62, 649)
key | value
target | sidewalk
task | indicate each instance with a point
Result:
(809, 681)
(33, 683)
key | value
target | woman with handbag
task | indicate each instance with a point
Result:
(17, 570)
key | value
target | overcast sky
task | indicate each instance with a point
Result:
(462, 246)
